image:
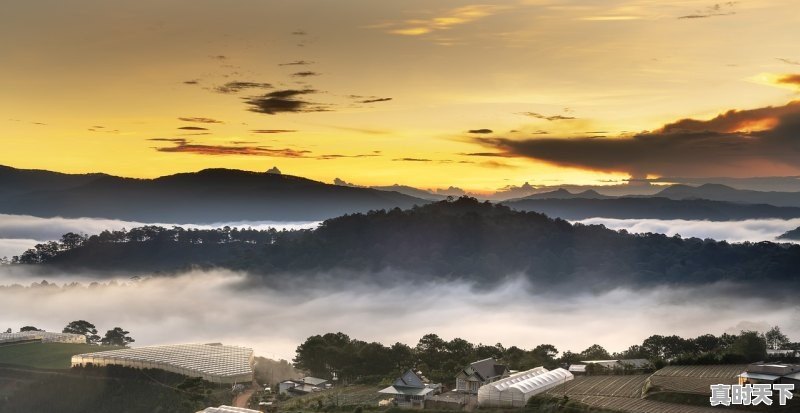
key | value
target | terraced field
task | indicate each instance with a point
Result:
(613, 386)
(695, 379)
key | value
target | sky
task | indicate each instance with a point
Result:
(432, 94)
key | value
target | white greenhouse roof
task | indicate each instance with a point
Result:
(227, 409)
(531, 380)
(44, 336)
(211, 361)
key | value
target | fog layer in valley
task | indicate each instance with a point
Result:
(20, 232)
(222, 306)
(733, 231)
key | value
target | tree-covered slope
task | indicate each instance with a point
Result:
(464, 238)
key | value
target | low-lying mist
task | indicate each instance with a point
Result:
(20, 232)
(228, 307)
(754, 230)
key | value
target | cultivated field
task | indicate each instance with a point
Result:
(694, 379)
(46, 355)
(615, 386)
(341, 396)
(634, 405)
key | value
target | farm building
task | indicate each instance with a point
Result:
(471, 378)
(411, 390)
(40, 336)
(779, 373)
(303, 386)
(227, 409)
(212, 362)
(577, 368)
(514, 391)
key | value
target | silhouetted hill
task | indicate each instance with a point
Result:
(479, 242)
(793, 235)
(717, 192)
(211, 195)
(655, 208)
(562, 193)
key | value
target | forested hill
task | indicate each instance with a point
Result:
(207, 196)
(463, 238)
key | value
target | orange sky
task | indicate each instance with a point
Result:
(386, 92)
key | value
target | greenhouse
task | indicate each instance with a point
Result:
(212, 362)
(515, 391)
(227, 409)
(40, 336)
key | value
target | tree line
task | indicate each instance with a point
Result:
(462, 238)
(116, 336)
(353, 360)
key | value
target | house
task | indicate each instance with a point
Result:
(303, 386)
(411, 390)
(485, 371)
(771, 373)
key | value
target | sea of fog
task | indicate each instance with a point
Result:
(228, 307)
(733, 231)
(20, 232)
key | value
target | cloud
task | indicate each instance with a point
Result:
(375, 100)
(270, 131)
(185, 146)
(753, 230)
(284, 101)
(789, 61)
(734, 143)
(547, 117)
(296, 63)
(489, 154)
(448, 20)
(338, 156)
(512, 312)
(412, 160)
(719, 9)
(790, 79)
(480, 131)
(305, 74)
(200, 120)
(191, 82)
(192, 128)
(238, 86)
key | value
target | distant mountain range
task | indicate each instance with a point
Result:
(207, 196)
(654, 208)
(224, 195)
(717, 192)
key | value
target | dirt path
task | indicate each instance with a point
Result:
(241, 399)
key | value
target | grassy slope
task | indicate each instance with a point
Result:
(46, 355)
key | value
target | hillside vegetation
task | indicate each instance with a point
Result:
(464, 238)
